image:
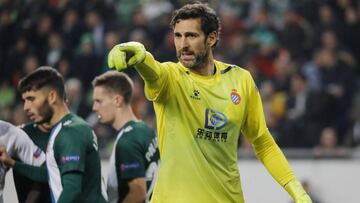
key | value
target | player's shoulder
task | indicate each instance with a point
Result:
(234, 73)
(174, 67)
(4, 127)
(170, 64)
(226, 68)
(141, 127)
(71, 121)
(136, 131)
(28, 126)
(74, 125)
(9, 130)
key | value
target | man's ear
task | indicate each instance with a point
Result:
(119, 100)
(52, 96)
(212, 38)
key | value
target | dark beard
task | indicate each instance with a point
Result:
(200, 59)
(46, 112)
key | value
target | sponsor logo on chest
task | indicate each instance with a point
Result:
(215, 121)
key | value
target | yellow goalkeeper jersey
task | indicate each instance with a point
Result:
(199, 120)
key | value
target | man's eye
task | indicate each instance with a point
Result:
(192, 35)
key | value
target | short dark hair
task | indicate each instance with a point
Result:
(116, 82)
(44, 76)
(210, 22)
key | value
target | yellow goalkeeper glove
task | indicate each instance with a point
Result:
(297, 192)
(126, 54)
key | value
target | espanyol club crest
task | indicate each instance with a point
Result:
(235, 97)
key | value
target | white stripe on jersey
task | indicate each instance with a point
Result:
(112, 183)
(152, 172)
(52, 167)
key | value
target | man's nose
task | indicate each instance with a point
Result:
(26, 106)
(94, 107)
(184, 43)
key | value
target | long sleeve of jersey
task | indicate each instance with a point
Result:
(266, 150)
(156, 78)
(149, 69)
(71, 187)
(273, 159)
(34, 173)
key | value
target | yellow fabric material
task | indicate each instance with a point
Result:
(273, 159)
(199, 121)
(297, 192)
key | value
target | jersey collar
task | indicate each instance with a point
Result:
(202, 78)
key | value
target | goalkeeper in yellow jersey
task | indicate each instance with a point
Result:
(202, 106)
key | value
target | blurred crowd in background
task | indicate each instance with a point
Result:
(304, 56)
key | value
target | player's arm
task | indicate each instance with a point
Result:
(32, 172)
(35, 173)
(24, 148)
(137, 191)
(30, 155)
(72, 184)
(266, 149)
(34, 194)
(131, 156)
(133, 54)
(70, 153)
(275, 162)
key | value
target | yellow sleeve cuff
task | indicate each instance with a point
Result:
(297, 192)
